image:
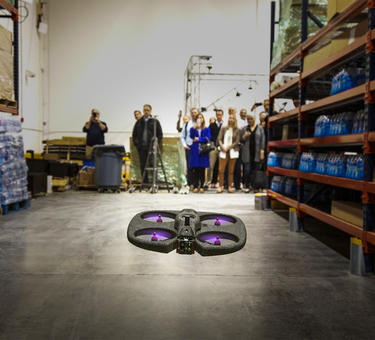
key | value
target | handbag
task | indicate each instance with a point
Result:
(206, 148)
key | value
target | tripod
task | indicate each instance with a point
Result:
(153, 157)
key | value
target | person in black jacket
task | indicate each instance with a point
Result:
(143, 133)
(215, 127)
(95, 130)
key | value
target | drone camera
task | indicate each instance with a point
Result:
(185, 245)
(187, 220)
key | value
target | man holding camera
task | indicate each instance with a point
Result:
(95, 130)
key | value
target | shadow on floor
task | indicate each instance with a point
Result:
(328, 235)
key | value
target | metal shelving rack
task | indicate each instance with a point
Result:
(13, 15)
(299, 87)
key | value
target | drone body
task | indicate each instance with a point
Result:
(187, 231)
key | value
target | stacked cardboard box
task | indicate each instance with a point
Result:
(6, 64)
(86, 177)
(348, 211)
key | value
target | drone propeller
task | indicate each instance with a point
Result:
(217, 220)
(158, 216)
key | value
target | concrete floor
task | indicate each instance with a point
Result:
(67, 271)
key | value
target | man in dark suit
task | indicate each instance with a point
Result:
(213, 169)
(143, 133)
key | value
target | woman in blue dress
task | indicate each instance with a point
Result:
(199, 133)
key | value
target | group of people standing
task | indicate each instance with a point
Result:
(237, 147)
(238, 150)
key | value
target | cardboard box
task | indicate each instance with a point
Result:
(348, 211)
(277, 205)
(6, 38)
(336, 45)
(86, 177)
(6, 75)
(336, 6)
(52, 156)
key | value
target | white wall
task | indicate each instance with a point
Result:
(116, 55)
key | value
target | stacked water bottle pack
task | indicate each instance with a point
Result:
(283, 160)
(289, 161)
(278, 184)
(337, 165)
(340, 124)
(13, 168)
(347, 78)
(284, 185)
(307, 162)
(274, 159)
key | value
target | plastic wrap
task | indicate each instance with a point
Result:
(289, 29)
(13, 168)
(173, 157)
(6, 64)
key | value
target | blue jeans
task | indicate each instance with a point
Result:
(248, 168)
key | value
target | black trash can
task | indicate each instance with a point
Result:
(108, 166)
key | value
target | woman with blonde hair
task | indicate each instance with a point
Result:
(199, 133)
(228, 141)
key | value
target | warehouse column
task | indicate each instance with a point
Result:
(298, 219)
(361, 255)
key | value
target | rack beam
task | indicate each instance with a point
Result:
(333, 140)
(284, 143)
(282, 171)
(283, 199)
(336, 222)
(289, 85)
(283, 116)
(341, 182)
(337, 99)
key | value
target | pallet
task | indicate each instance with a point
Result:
(8, 103)
(60, 188)
(86, 187)
(13, 207)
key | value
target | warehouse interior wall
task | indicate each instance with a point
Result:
(118, 55)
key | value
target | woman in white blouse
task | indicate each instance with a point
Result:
(228, 141)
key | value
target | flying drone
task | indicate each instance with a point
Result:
(187, 231)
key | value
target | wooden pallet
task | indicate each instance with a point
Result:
(13, 207)
(8, 103)
(86, 187)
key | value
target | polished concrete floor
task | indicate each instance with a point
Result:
(67, 271)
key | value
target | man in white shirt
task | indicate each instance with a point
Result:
(242, 121)
(186, 141)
